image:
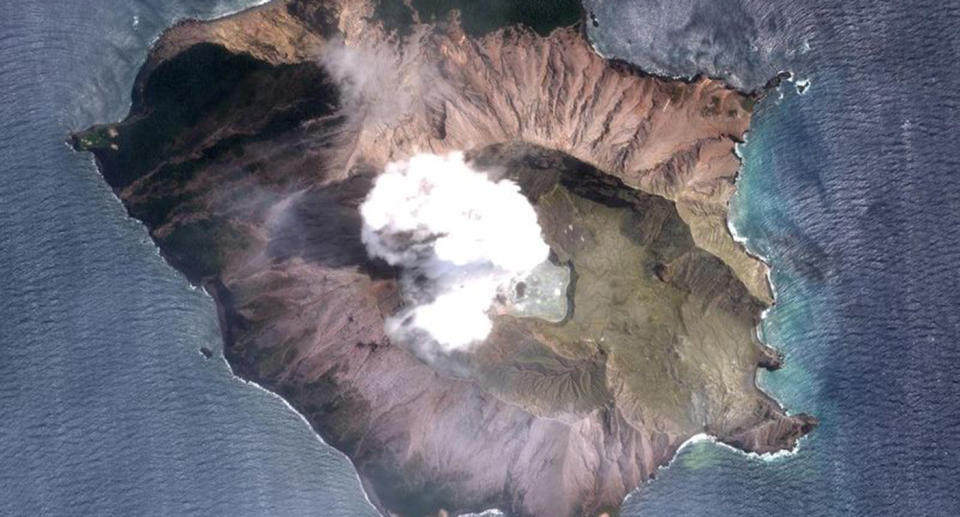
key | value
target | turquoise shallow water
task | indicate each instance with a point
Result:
(802, 313)
(709, 479)
(850, 191)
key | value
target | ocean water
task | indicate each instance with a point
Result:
(107, 406)
(851, 191)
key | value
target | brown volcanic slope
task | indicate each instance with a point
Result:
(253, 139)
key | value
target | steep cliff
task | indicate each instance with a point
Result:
(251, 143)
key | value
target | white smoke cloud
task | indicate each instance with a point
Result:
(369, 80)
(459, 238)
(381, 84)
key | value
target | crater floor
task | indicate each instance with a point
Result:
(252, 141)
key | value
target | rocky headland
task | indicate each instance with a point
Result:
(253, 140)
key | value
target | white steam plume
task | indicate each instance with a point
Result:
(459, 239)
(380, 84)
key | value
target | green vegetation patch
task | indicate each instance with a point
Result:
(97, 137)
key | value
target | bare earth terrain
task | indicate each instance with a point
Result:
(252, 141)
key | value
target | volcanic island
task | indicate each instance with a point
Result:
(252, 143)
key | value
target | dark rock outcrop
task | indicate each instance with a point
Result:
(250, 145)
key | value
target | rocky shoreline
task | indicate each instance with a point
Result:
(253, 139)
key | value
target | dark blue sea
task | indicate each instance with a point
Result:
(107, 406)
(851, 191)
